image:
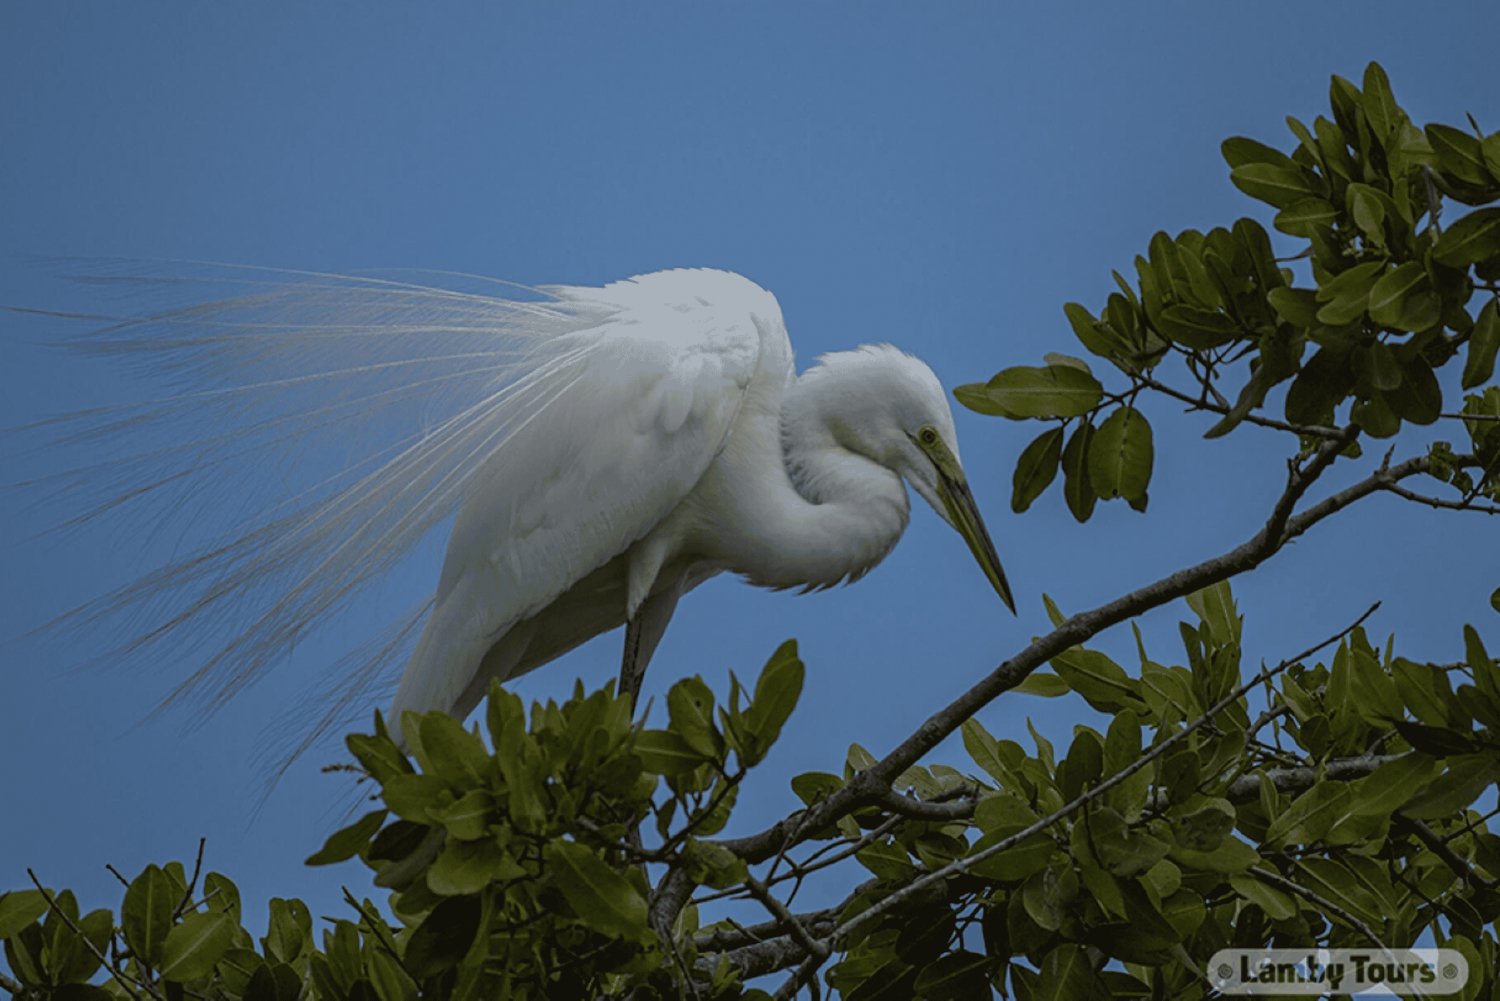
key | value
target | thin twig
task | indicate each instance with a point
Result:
(1312, 430)
(192, 884)
(1441, 502)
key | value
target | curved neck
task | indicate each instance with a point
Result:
(834, 515)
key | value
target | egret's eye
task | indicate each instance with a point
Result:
(928, 436)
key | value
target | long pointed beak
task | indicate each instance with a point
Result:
(964, 513)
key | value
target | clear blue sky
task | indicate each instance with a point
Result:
(940, 176)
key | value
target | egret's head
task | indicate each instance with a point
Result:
(892, 408)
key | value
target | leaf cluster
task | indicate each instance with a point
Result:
(1378, 294)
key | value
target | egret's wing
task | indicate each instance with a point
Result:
(644, 411)
(334, 421)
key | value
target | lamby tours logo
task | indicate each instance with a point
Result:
(1409, 972)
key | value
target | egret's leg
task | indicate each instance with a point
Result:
(642, 634)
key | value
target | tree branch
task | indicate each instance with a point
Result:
(1293, 780)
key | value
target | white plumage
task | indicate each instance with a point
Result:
(605, 451)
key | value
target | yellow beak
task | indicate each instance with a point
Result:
(964, 513)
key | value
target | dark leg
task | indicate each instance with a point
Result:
(642, 634)
(632, 665)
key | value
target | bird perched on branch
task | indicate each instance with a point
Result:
(604, 450)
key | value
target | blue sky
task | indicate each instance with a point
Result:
(939, 176)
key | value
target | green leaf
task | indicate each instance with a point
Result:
(1067, 974)
(1232, 855)
(1403, 299)
(1377, 365)
(957, 976)
(444, 936)
(1297, 306)
(1419, 397)
(1048, 686)
(1275, 184)
(1016, 863)
(193, 947)
(1036, 469)
(776, 693)
(1347, 295)
(1092, 334)
(1239, 150)
(1025, 392)
(1305, 216)
(1197, 328)
(666, 753)
(348, 842)
(1078, 491)
(1311, 815)
(379, 755)
(467, 818)
(146, 913)
(984, 749)
(1102, 683)
(1206, 827)
(73, 958)
(1484, 342)
(469, 866)
(289, 932)
(1380, 107)
(603, 899)
(811, 787)
(390, 981)
(1458, 153)
(411, 796)
(220, 894)
(1121, 455)
(886, 860)
(1474, 238)
(1277, 905)
(1391, 784)
(1124, 851)
(690, 706)
(19, 908)
(456, 755)
(1466, 779)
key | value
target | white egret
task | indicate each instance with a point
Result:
(605, 451)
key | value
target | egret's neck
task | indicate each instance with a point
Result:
(837, 512)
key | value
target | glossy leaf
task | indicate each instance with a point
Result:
(193, 947)
(1053, 391)
(349, 841)
(1475, 237)
(1121, 455)
(146, 913)
(1484, 343)
(600, 897)
(1036, 469)
(1078, 491)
